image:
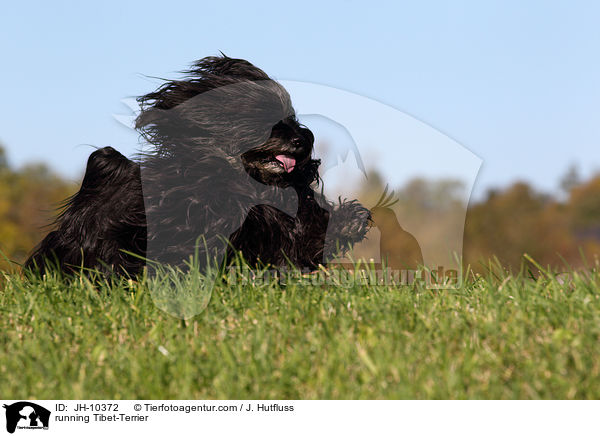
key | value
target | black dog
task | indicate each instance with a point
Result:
(230, 170)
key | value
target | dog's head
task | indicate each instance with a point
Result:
(285, 158)
(230, 111)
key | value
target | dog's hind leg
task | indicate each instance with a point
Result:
(104, 218)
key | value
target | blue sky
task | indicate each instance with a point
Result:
(517, 83)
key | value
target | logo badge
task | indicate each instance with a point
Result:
(26, 415)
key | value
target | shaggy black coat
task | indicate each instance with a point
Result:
(229, 169)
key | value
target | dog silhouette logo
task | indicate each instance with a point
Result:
(26, 415)
(399, 248)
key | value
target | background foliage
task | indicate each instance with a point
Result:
(29, 198)
(555, 230)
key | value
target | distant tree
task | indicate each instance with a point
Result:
(519, 220)
(3, 158)
(29, 199)
(513, 222)
(571, 179)
(584, 204)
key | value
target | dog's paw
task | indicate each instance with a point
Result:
(349, 222)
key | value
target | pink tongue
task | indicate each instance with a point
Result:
(288, 162)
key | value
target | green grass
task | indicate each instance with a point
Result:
(497, 337)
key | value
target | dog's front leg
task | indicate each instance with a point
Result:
(348, 224)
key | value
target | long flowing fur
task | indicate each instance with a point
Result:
(229, 169)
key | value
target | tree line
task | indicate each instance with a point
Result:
(555, 230)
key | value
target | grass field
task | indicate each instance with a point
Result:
(498, 337)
